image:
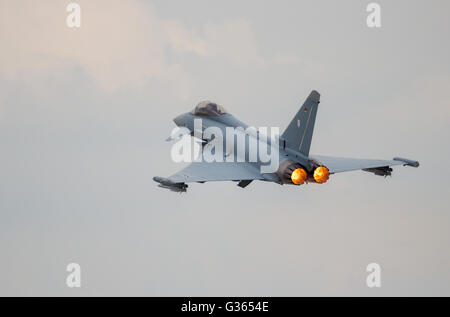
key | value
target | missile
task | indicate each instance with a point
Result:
(163, 181)
(167, 183)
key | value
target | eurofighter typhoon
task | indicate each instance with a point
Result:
(230, 150)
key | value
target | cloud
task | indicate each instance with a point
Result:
(120, 43)
(233, 40)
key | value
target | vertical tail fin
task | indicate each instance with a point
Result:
(298, 134)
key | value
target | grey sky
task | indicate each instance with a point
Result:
(84, 114)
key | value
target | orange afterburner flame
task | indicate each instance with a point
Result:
(299, 176)
(321, 174)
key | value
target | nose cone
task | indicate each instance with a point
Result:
(179, 120)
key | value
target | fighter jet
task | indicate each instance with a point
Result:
(295, 165)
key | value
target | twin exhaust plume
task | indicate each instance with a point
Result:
(320, 175)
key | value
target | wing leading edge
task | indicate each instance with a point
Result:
(343, 164)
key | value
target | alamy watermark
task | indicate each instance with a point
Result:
(74, 277)
(73, 20)
(211, 145)
(374, 18)
(374, 277)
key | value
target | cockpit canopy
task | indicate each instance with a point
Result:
(208, 108)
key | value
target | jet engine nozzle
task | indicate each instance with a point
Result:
(299, 176)
(321, 174)
(291, 172)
